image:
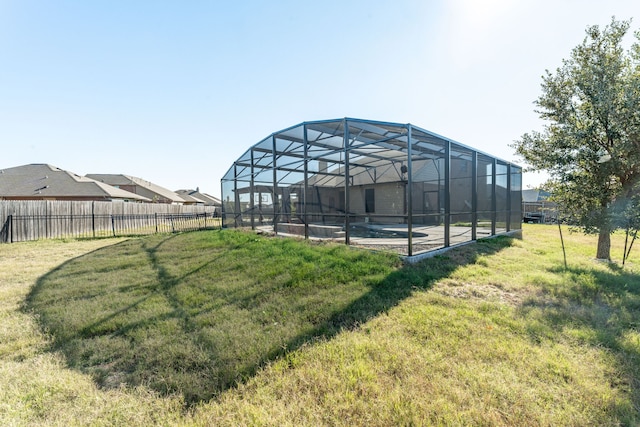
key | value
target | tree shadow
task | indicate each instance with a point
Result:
(597, 307)
(127, 315)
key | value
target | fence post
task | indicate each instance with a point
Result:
(173, 229)
(48, 221)
(93, 218)
(11, 228)
(113, 225)
(156, 219)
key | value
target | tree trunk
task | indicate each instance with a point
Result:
(604, 245)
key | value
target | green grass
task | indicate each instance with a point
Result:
(232, 328)
(199, 312)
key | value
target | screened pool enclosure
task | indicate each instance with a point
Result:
(373, 184)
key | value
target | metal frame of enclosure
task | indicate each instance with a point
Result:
(373, 184)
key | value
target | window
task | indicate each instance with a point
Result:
(369, 200)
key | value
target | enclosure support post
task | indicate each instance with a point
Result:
(251, 196)
(113, 225)
(493, 197)
(236, 197)
(474, 195)
(508, 223)
(347, 205)
(303, 205)
(93, 218)
(10, 218)
(447, 194)
(409, 193)
(275, 200)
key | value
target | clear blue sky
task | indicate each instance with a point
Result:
(175, 91)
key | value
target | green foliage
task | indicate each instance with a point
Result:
(591, 142)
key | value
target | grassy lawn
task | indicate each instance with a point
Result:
(232, 328)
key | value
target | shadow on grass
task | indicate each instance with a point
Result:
(598, 307)
(195, 314)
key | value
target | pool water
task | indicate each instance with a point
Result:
(365, 231)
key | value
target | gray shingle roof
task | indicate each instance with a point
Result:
(120, 179)
(211, 199)
(203, 197)
(185, 194)
(41, 180)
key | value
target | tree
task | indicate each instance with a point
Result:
(590, 143)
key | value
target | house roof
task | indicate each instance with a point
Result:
(213, 200)
(121, 179)
(41, 180)
(530, 195)
(185, 194)
(207, 199)
(534, 195)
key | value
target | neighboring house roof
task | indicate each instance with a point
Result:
(139, 186)
(189, 198)
(534, 195)
(43, 181)
(202, 197)
(530, 196)
(214, 200)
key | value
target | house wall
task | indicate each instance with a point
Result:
(326, 204)
(389, 198)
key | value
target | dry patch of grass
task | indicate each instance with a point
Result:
(483, 292)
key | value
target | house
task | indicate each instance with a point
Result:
(207, 199)
(155, 193)
(536, 207)
(41, 181)
(189, 199)
(196, 197)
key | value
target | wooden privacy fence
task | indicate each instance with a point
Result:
(33, 220)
